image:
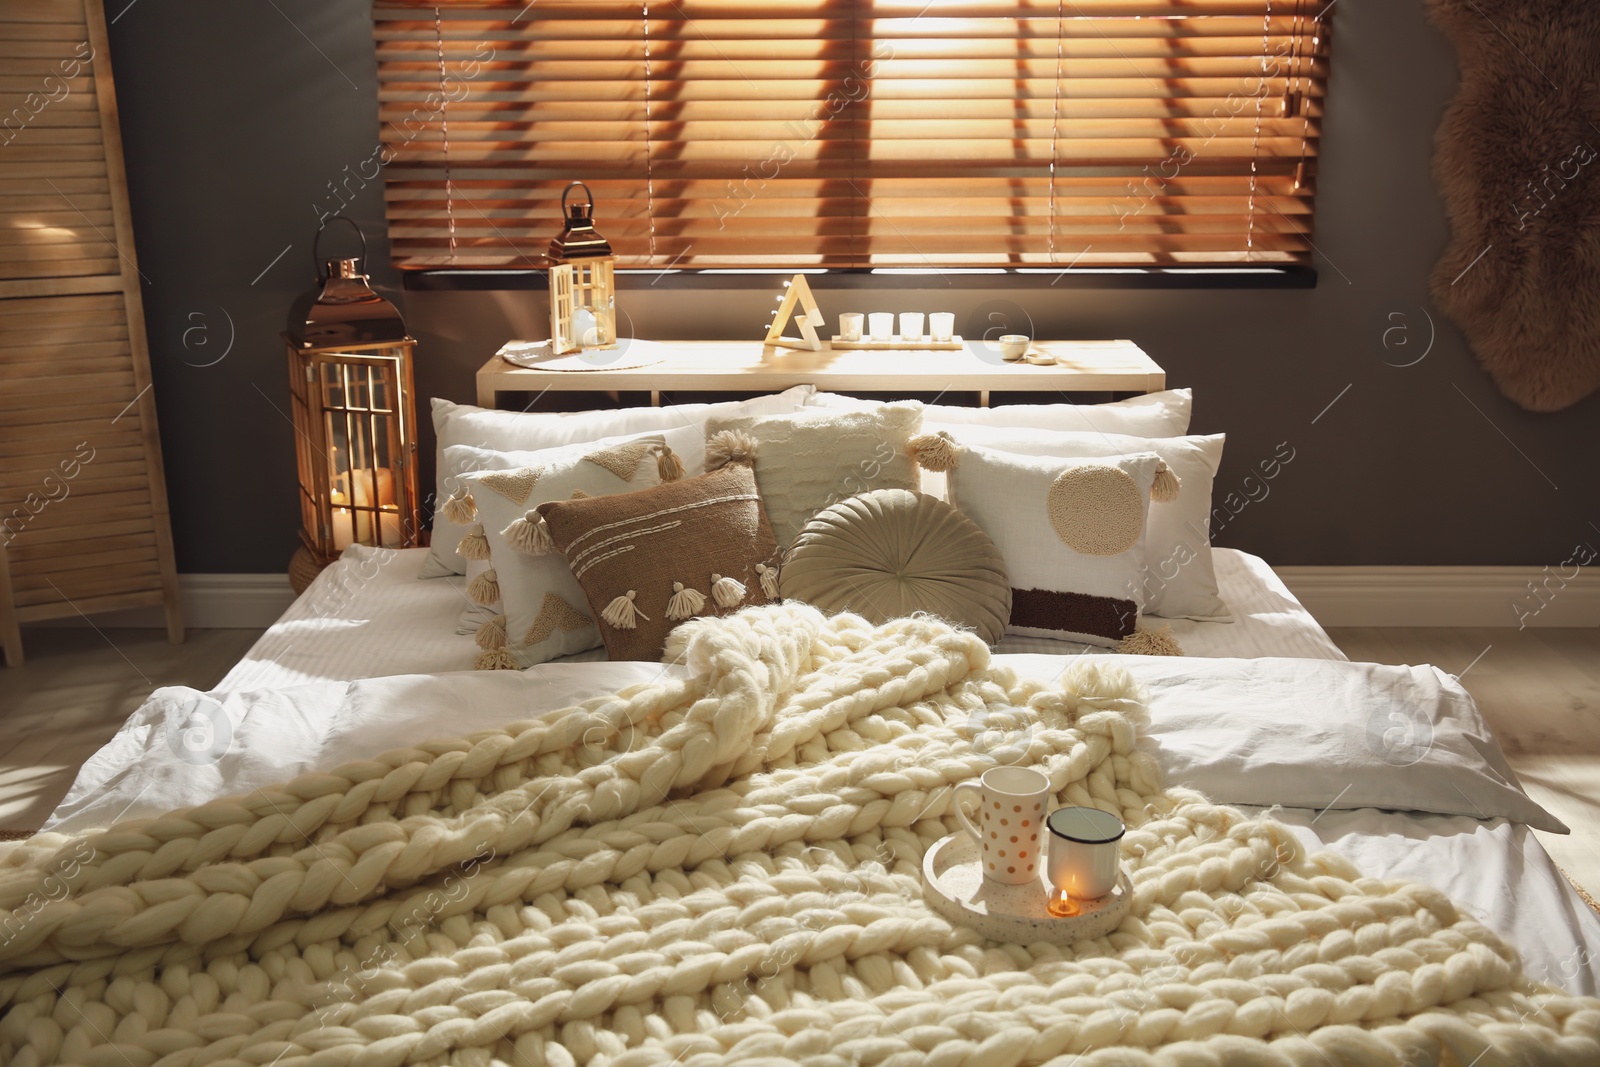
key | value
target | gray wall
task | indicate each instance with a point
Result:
(237, 118)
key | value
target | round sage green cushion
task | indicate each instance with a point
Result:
(890, 553)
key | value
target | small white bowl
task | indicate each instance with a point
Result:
(1014, 346)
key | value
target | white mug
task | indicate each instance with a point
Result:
(943, 325)
(1011, 806)
(911, 325)
(1085, 851)
(882, 325)
(850, 326)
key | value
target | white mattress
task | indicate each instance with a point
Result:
(369, 616)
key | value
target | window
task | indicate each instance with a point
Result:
(855, 133)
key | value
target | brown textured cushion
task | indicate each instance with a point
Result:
(679, 533)
(891, 553)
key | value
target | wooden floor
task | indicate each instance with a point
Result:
(1539, 690)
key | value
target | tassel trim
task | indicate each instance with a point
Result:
(1165, 488)
(475, 545)
(729, 446)
(668, 465)
(622, 613)
(769, 580)
(529, 535)
(460, 509)
(492, 634)
(937, 452)
(1150, 643)
(685, 603)
(484, 590)
(727, 592)
(498, 659)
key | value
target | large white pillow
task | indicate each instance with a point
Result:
(1323, 734)
(811, 460)
(1072, 532)
(1179, 581)
(506, 431)
(1164, 414)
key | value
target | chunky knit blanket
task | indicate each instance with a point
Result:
(724, 868)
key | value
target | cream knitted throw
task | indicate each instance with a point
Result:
(726, 869)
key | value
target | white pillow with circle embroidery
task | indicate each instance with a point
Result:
(1072, 532)
(1180, 581)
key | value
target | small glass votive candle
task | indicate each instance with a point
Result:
(882, 325)
(943, 325)
(850, 326)
(910, 325)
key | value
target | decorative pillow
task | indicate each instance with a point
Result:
(813, 459)
(650, 560)
(543, 614)
(1179, 581)
(1072, 532)
(892, 553)
(1163, 414)
(505, 431)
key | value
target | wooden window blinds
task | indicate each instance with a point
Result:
(855, 133)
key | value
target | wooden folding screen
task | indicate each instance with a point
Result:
(83, 502)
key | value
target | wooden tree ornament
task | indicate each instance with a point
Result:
(798, 302)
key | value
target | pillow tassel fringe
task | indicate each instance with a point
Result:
(475, 545)
(729, 446)
(460, 509)
(937, 452)
(727, 592)
(1150, 643)
(484, 589)
(579, 494)
(622, 613)
(492, 634)
(686, 603)
(499, 659)
(668, 465)
(1166, 486)
(530, 535)
(769, 580)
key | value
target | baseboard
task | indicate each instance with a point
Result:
(210, 602)
(1447, 596)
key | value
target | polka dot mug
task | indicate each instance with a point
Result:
(1011, 810)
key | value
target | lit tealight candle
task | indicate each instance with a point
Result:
(1062, 906)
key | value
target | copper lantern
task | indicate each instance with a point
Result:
(354, 417)
(583, 302)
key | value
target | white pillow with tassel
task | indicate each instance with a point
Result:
(542, 611)
(1072, 532)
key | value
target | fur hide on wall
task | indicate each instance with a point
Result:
(1518, 163)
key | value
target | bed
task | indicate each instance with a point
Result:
(715, 859)
(368, 617)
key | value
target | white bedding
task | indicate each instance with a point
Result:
(368, 616)
(184, 748)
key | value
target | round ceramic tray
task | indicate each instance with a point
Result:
(953, 885)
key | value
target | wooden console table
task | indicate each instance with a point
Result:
(750, 366)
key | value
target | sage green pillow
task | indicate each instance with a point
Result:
(891, 553)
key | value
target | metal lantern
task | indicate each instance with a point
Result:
(583, 301)
(354, 416)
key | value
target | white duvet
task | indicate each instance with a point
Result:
(1328, 741)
